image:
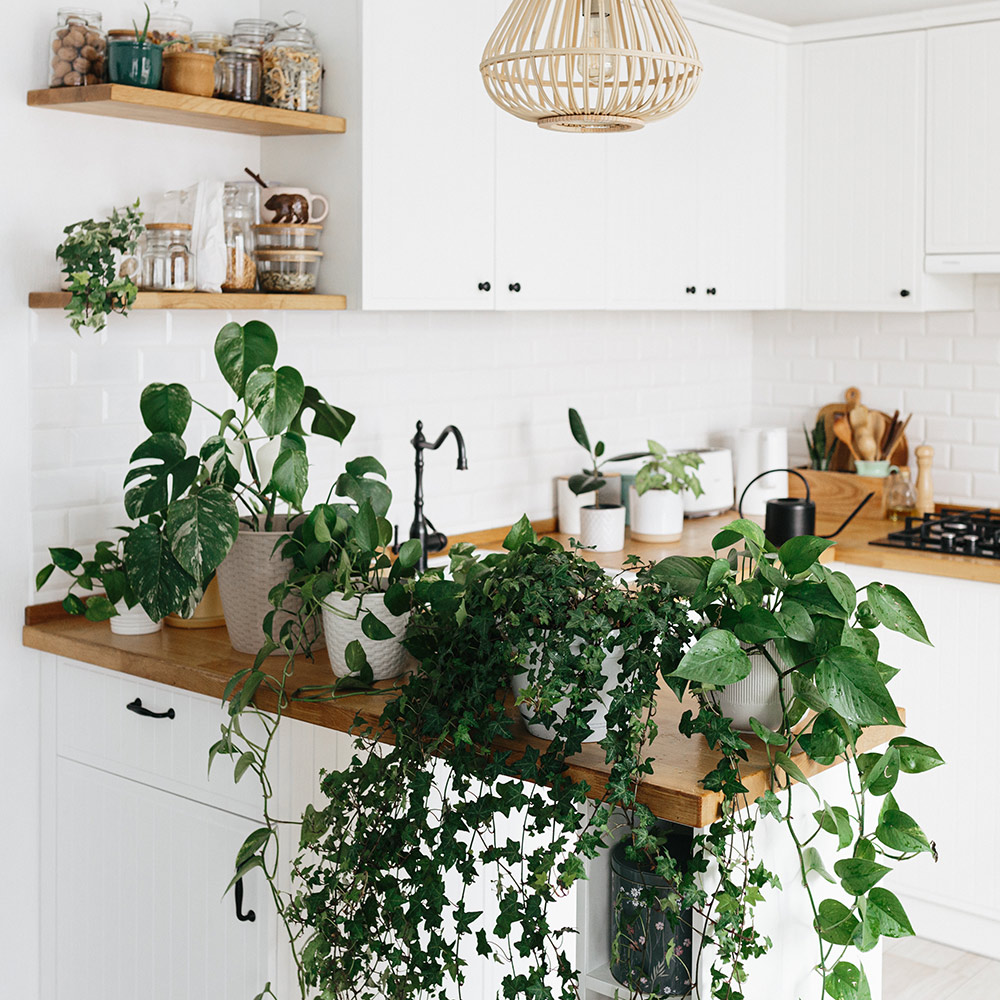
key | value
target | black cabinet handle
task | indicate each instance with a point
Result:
(485, 286)
(516, 287)
(691, 289)
(136, 706)
(249, 916)
(710, 291)
(905, 293)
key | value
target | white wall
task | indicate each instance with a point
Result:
(942, 367)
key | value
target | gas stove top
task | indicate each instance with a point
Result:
(953, 530)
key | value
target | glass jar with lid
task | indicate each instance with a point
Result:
(209, 41)
(77, 48)
(169, 28)
(252, 32)
(168, 262)
(237, 74)
(293, 67)
(239, 213)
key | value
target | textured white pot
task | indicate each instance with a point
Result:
(387, 657)
(757, 695)
(569, 503)
(599, 723)
(657, 515)
(133, 621)
(602, 528)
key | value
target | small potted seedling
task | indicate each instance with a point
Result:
(656, 500)
(602, 525)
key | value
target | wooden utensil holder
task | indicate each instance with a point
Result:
(837, 493)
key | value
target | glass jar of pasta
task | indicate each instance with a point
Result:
(293, 68)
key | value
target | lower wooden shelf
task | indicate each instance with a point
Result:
(207, 300)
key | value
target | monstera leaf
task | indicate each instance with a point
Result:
(168, 475)
(201, 530)
(241, 350)
(157, 579)
(275, 397)
(165, 408)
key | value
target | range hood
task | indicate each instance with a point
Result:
(962, 263)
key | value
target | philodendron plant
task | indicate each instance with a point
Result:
(665, 470)
(816, 630)
(590, 480)
(106, 570)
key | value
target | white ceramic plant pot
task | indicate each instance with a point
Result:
(602, 528)
(757, 695)
(600, 704)
(133, 621)
(387, 657)
(569, 503)
(657, 515)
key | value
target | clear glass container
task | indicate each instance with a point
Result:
(239, 212)
(209, 41)
(237, 75)
(169, 28)
(278, 237)
(900, 496)
(284, 271)
(77, 48)
(293, 68)
(168, 262)
(252, 32)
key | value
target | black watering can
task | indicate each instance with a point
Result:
(793, 516)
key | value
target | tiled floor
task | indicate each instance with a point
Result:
(915, 969)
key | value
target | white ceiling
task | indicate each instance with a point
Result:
(796, 12)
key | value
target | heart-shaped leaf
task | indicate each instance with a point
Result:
(798, 554)
(795, 620)
(900, 832)
(732, 533)
(275, 397)
(836, 923)
(847, 982)
(375, 629)
(684, 574)
(520, 534)
(716, 658)
(165, 408)
(885, 915)
(290, 475)
(853, 688)
(241, 350)
(915, 757)
(857, 875)
(895, 611)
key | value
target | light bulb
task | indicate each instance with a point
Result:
(597, 37)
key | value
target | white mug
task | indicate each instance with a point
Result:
(291, 206)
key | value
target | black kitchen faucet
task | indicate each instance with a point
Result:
(431, 540)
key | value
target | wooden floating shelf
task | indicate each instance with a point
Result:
(114, 100)
(207, 300)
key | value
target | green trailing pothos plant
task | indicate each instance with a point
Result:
(674, 471)
(591, 479)
(99, 266)
(105, 570)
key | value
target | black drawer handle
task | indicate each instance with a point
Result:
(249, 916)
(516, 287)
(136, 706)
(485, 286)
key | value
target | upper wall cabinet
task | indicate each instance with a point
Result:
(862, 178)
(963, 149)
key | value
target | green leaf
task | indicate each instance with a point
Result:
(836, 923)
(853, 688)
(718, 571)
(290, 475)
(915, 757)
(842, 589)
(879, 772)
(201, 529)
(857, 875)
(520, 534)
(166, 479)
(396, 599)
(240, 350)
(354, 655)
(375, 629)
(328, 420)
(43, 575)
(165, 408)
(377, 495)
(684, 574)
(885, 916)
(793, 770)
(716, 658)
(245, 761)
(771, 738)
(894, 610)
(770, 805)
(252, 845)
(409, 553)
(812, 861)
(836, 820)
(578, 430)
(157, 579)
(847, 982)
(758, 625)
(99, 609)
(733, 532)
(900, 832)
(795, 621)
(65, 559)
(366, 529)
(797, 555)
(275, 397)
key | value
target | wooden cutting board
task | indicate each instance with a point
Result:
(842, 460)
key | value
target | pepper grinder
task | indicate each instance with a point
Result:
(925, 480)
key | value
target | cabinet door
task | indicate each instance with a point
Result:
(140, 911)
(429, 156)
(551, 228)
(963, 139)
(740, 170)
(862, 128)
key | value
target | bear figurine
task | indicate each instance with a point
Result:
(289, 209)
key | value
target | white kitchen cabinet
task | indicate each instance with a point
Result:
(861, 131)
(963, 139)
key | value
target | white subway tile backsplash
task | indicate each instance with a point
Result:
(956, 430)
(978, 349)
(928, 348)
(976, 458)
(903, 324)
(951, 324)
(859, 373)
(976, 404)
(904, 374)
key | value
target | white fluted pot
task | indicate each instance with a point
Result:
(757, 695)
(602, 528)
(133, 621)
(657, 515)
(387, 657)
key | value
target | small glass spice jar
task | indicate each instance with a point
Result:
(293, 67)
(77, 48)
(169, 28)
(237, 74)
(168, 262)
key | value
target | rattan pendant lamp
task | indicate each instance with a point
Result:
(591, 65)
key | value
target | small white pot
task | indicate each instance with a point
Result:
(757, 695)
(569, 503)
(387, 657)
(602, 528)
(657, 515)
(133, 621)
(599, 723)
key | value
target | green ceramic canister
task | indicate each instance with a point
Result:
(651, 949)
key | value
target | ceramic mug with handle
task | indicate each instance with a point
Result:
(292, 206)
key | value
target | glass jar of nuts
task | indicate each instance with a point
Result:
(77, 47)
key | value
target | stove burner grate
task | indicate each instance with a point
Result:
(953, 530)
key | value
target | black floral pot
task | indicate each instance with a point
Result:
(651, 948)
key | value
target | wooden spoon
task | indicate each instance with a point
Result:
(842, 431)
(864, 440)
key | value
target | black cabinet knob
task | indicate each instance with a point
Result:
(691, 289)
(905, 293)
(710, 291)
(516, 287)
(484, 286)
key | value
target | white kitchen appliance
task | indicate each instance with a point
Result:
(716, 477)
(755, 450)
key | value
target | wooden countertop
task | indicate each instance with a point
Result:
(203, 661)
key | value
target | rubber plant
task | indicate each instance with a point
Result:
(814, 628)
(591, 480)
